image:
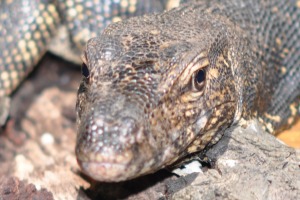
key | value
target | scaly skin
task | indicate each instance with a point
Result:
(27, 29)
(159, 87)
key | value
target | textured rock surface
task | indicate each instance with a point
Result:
(250, 165)
(13, 188)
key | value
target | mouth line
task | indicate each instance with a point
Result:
(216, 106)
(101, 164)
(112, 169)
(211, 109)
(203, 115)
(107, 172)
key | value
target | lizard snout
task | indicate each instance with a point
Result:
(111, 148)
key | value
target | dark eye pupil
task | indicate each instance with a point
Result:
(85, 71)
(199, 79)
(200, 76)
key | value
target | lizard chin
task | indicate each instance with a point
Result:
(106, 171)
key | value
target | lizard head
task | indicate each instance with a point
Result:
(152, 92)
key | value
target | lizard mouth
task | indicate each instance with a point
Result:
(128, 152)
(105, 171)
(115, 167)
(110, 150)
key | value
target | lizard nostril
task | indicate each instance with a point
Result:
(85, 71)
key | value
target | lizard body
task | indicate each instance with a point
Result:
(159, 87)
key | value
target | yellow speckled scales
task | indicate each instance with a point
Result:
(28, 28)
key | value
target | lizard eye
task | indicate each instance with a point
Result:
(85, 71)
(199, 79)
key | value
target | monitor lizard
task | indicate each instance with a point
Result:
(160, 87)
